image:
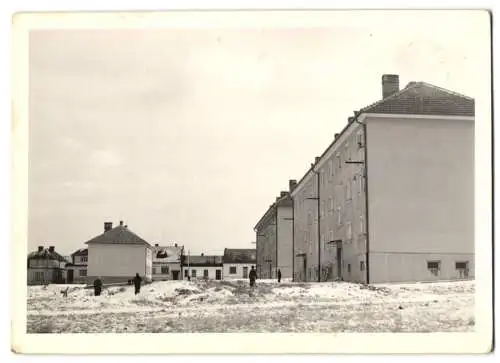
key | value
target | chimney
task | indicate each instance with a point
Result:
(277, 198)
(40, 248)
(51, 249)
(175, 245)
(390, 84)
(283, 194)
(121, 223)
(108, 226)
(336, 136)
(292, 183)
(202, 254)
(156, 244)
(350, 119)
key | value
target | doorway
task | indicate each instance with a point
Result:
(175, 274)
(218, 274)
(339, 261)
(304, 268)
(70, 277)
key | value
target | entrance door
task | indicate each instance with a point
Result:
(70, 276)
(175, 274)
(245, 272)
(339, 261)
(218, 274)
(304, 268)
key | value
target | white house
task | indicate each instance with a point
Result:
(118, 254)
(202, 267)
(238, 262)
(167, 262)
(76, 270)
(46, 265)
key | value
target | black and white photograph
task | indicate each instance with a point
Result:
(253, 172)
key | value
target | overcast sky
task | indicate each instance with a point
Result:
(189, 135)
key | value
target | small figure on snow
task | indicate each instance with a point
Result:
(97, 286)
(252, 276)
(279, 275)
(137, 283)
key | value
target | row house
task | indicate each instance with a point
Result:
(392, 198)
(167, 262)
(46, 266)
(274, 238)
(202, 267)
(237, 262)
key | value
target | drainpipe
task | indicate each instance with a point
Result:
(319, 228)
(276, 239)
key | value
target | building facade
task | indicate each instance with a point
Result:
(274, 239)
(395, 192)
(167, 262)
(118, 254)
(46, 266)
(76, 270)
(203, 267)
(237, 262)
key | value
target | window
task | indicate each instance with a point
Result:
(245, 272)
(39, 276)
(339, 164)
(348, 190)
(330, 201)
(330, 170)
(463, 268)
(193, 273)
(322, 177)
(361, 224)
(434, 267)
(349, 231)
(360, 184)
(323, 241)
(349, 268)
(232, 270)
(322, 208)
(83, 273)
(205, 273)
(359, 139)
(164, 270)
(154, 270)
(84, 259)
(331, 235)
(362, 265)
(339, 217)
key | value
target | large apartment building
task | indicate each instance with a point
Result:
(274, 238)
(392, 198)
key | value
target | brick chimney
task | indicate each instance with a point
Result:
(203, 254)
(108, 226)
(283, 194)
(292, 183)
(40, 248)
(390, 84)
(316, 159)
(350, 119)
(51, 248)
(175, 245)
(121, 223)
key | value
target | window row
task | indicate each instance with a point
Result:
(462, 267)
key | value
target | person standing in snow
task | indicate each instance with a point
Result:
(97, 286)
(137, 283)
(252, 276)
(279, 275)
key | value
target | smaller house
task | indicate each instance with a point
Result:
(76, 270)
(46, 266)
(167, 262)
(238, 262)
(203, 267)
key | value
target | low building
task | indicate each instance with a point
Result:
(117, 254)
(274, 238)
(238, 262)
(46, 266)
(76, 270)
(167, 262)
(202, 267)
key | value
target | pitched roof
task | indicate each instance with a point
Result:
(167, 253)
(81, 252)
(46, 254)
(118, 235)
(196, 260)
(240, 255)
(420, 98)
(284, 201)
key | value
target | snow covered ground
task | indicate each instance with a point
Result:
(231, 306)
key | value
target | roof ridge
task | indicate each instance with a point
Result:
(446, 90)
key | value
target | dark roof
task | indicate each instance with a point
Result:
(81, 252)
(240, 255)
(45, 254)
(285, 201)
(202, 260)
(118, 235)
(420, 98)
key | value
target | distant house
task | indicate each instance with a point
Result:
(118, 254)
(76, 270)
(202, 267)
(237, 262)
(167, 262)
(46, 266)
